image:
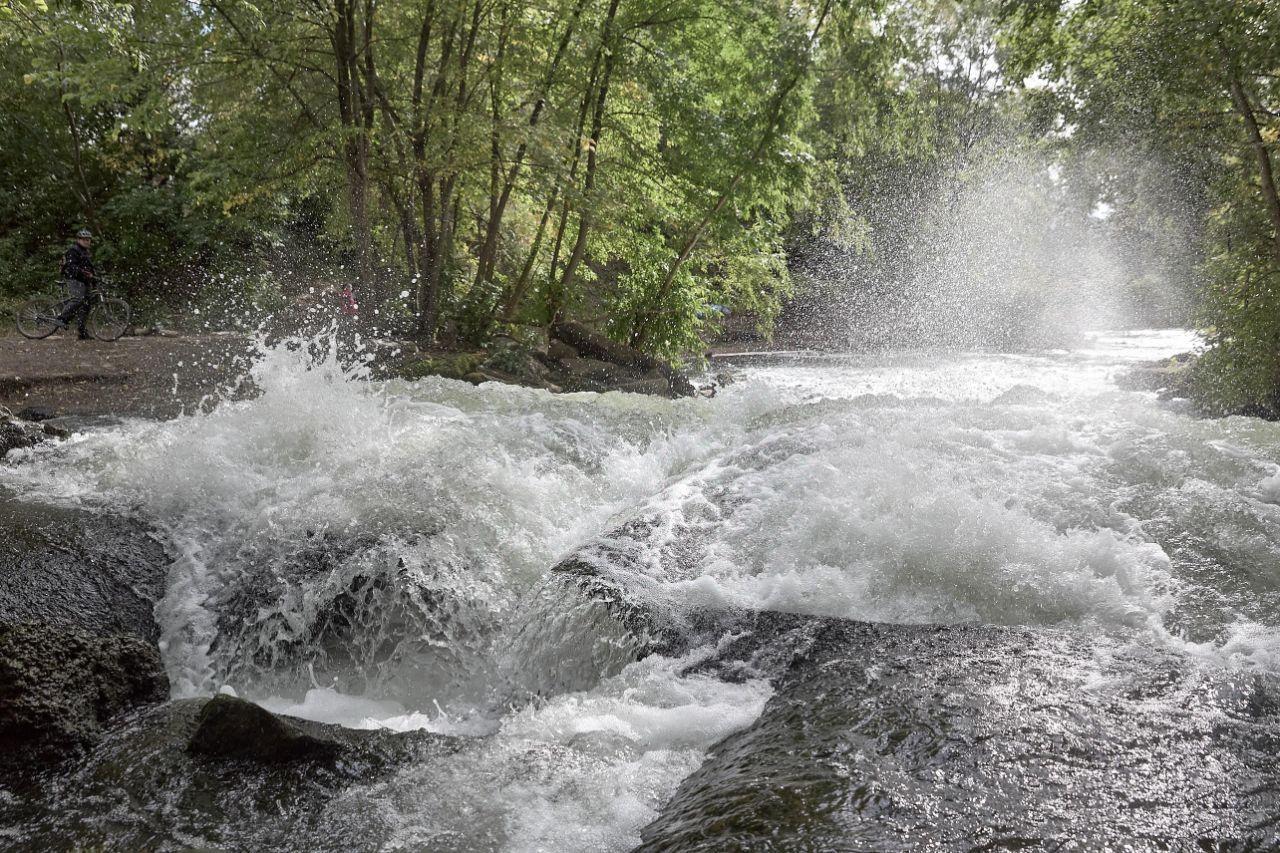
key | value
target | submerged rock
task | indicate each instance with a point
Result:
(144, 788)
(347, 612)
(59, 687)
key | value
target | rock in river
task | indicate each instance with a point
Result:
(59, 687)
(145, 786)
(84, 570)
(227, 727)
(930, 737)
(16, 434)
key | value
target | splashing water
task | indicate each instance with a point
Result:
(376, 554)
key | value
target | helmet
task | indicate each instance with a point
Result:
(84, 234)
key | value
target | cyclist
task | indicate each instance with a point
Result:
(78, 275)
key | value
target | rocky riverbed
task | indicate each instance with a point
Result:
(893, 602)
(86, 720)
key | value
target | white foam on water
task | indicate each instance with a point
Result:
(918, 487)
(326, 705)
(1246, 644)
(1008, 489)
(581, 772)
(492, 484)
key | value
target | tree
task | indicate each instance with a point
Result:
(1193, 89)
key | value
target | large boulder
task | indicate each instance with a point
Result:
(572, 358)
(635, 363)
(87, 571)
(59, 687)
(595, 345)
(971, 737)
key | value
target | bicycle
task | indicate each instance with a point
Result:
(108, 315)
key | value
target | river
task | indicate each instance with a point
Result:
(378, 554)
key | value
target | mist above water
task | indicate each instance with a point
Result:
(1004, 252)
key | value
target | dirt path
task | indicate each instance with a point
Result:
(153, 376)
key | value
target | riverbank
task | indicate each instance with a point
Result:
(164, 376)
(151, 376)
(1185, 377)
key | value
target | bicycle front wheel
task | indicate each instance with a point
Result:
(109, 319)
(38, 318)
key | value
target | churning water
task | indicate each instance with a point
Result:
(378, 553)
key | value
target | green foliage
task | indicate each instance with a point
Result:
(629, 160)
(1191, 92)
(450, 366)
(623, 163)
(1239, 312)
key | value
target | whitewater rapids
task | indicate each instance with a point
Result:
(377, 553)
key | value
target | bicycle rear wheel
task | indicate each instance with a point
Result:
(37, 318)
(109, 319)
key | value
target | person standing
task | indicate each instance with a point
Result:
(79, 276)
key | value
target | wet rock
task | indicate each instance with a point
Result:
(971, 737)
(16, 434)
(725, 376)
(592, 345)
(510, 357)
(1171, 378)
(55, 431)
(658, 386)
(34, 413)
(1185, 377)
(59, 687)
(85, 571)
(345, 612)
(227, 727)
(574, 358)
(560, 351)
(592, 368)
(142, 788)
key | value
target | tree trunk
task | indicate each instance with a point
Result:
(642, 323)
(589, 180)
(90, 208)
(1265, 173)
(434, 204)
(428, 282)
(516, 296)
(354, 109)
(498, 206)
(575, 159)
(593, 145)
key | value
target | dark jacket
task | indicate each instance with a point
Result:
(77, 264)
